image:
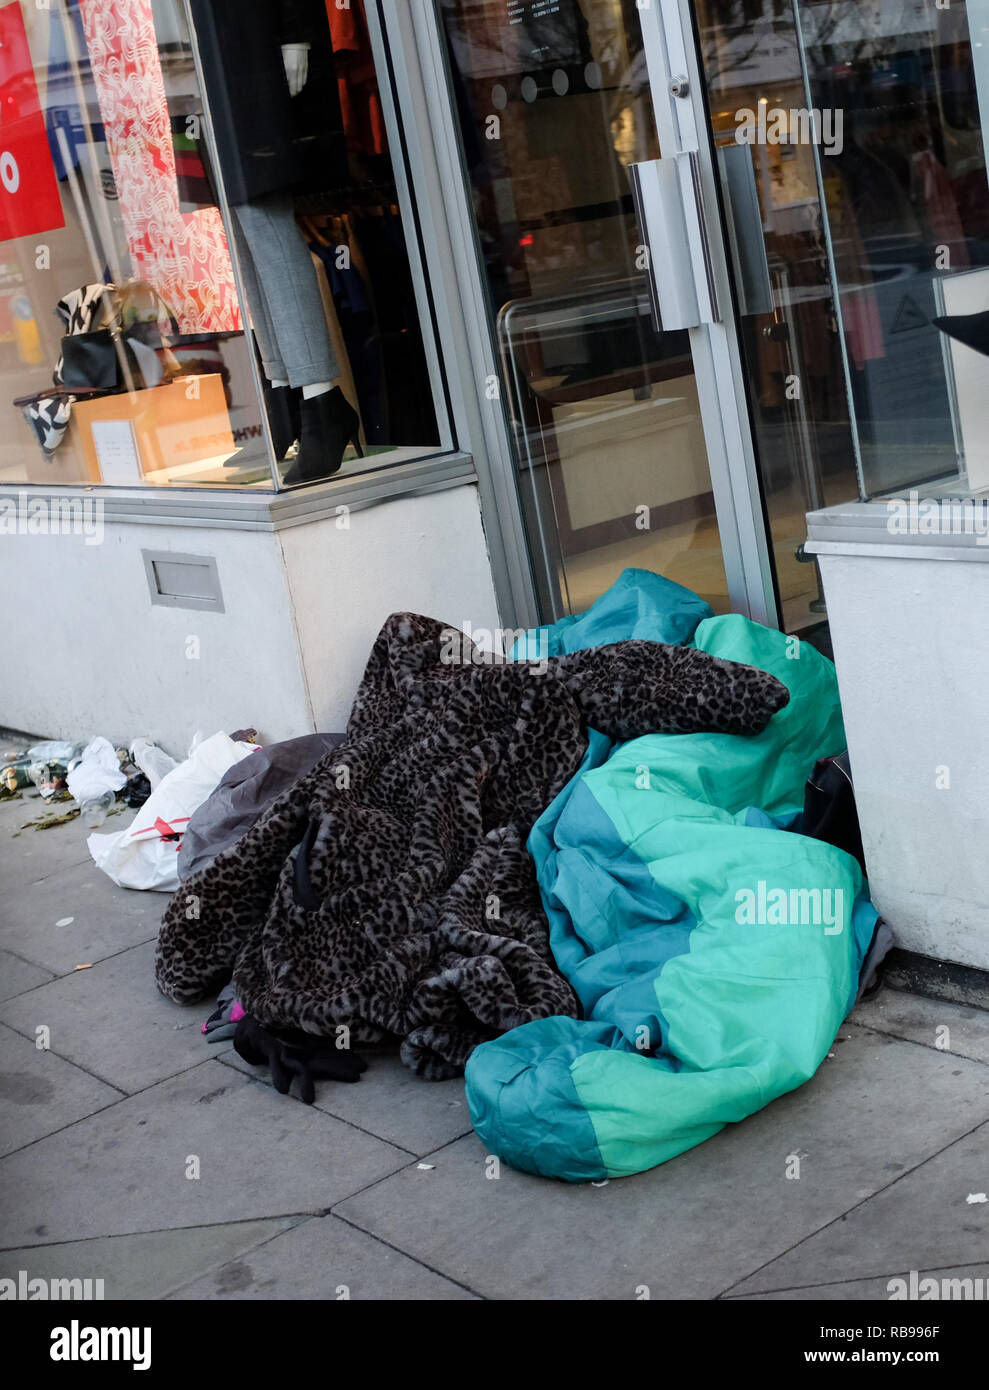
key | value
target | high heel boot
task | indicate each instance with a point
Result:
(282, 403)
(329, 424)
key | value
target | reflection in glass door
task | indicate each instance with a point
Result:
(553, 106)
(908, 217)
(788, 326)
(861, 257)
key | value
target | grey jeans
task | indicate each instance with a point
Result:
(283, 293)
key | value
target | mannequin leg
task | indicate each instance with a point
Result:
(257, 304)
(286, 283)
(280, 402)
(290, 316)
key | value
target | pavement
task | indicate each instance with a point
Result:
(134, 1152)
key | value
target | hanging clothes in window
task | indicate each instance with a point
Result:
(357, 82)
(350, 286)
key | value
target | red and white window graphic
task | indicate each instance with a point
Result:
(184, 255)
(29, 196)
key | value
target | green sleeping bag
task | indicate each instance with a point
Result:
(715, 952)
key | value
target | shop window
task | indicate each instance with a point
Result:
(205, 279)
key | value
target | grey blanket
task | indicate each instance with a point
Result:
(244, 791)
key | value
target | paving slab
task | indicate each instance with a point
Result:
(389, 1102)
(28, 854)
(125, 1169)
(17, 976)
(105, 919)
(324, 1259)
(932, 1022)
(881, 1290)
(41, 1093)
(113, 1021)
(699, 1224)
(922, 1221)
(143, 1266)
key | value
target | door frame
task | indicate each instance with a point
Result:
(683, 124)
(415, 38)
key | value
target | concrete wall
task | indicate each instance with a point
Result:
(419, 555)
(86, 652)
(911, 645)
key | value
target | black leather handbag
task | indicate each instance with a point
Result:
(91, 360)
(114, 359)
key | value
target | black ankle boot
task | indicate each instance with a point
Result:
(329, 424)
(284, 421)
(970, 329)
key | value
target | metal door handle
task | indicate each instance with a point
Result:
(670, 211)
(746, 234)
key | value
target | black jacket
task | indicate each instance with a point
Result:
(266, 139)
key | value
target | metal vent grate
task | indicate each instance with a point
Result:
(183, 581)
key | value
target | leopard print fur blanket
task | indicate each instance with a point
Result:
(389, 889)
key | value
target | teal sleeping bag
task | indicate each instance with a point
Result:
(715, 953)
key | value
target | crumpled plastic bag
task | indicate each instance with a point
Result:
(96, 772)
(145, 855)
(55, 750)
(153, 761)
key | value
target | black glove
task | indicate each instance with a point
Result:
(298, 1054)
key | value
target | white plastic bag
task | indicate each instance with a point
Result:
(97, 771)
(55, 751)
(153, 761)
(145, 855)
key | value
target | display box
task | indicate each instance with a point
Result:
(158, 435)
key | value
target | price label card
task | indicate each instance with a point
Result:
(117, 452)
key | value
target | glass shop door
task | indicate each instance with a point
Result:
(858, 223)
(596, 212)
